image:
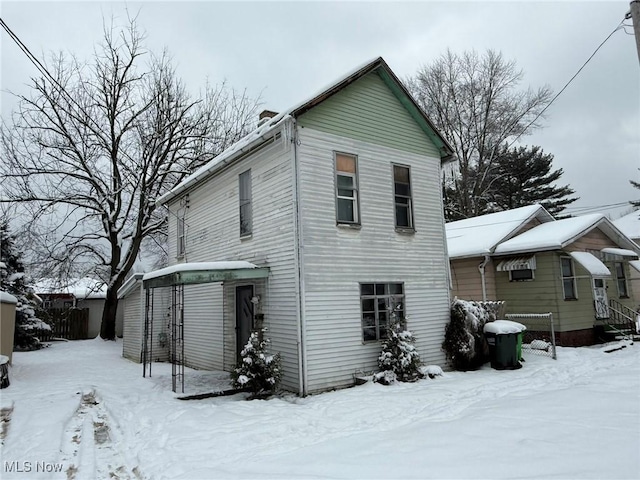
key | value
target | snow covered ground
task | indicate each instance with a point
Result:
(81, 409)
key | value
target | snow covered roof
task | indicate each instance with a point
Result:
(203, 272)
(269, 128)
(129, 285)
(7, 298)
(559, 234)
(635, 264)
(629, 225)
(480, 235)
(591, 264)
(81, 288)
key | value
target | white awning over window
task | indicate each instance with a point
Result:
(635, 264)
(591, 264)
(619, 252)
(518, 263)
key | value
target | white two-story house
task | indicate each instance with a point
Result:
(315, 224)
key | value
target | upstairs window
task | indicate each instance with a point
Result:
(402, 192)
(568, 279)
(246, 220)
(347, 189)
(378, 301)
(180, 242)
(621, 280)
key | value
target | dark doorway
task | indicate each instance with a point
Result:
(244, 316)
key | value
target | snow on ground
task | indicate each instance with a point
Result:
(81, 408)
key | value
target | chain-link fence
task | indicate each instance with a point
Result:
(540, 336)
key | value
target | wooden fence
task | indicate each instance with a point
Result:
(67, 323)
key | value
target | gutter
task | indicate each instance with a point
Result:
(483, 278)
(298, 246)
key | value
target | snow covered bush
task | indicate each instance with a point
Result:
(464, 344)
(399, 354)
(13, 281)
(257, 371)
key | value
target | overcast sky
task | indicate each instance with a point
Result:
(286, 51)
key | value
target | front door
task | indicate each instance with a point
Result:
(600, 299)
(244, 316)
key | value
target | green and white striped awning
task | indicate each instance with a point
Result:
(517, 263)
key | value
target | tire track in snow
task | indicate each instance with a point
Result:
(90, 447)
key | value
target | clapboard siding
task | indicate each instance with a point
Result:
(368, 111)
(203, 327)
(213, 234)
(132, 326)
(467, 281)
(337, 259)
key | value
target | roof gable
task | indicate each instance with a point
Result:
(629, 224)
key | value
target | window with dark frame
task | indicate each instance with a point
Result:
(347, 210)
(246, 220)
(621, 280)
(568, 279)
(521, 275)
(378, 301)
(402, 194)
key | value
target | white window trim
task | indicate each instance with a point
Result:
(375, 297)
(411, 226)
(533, 276)
(181, 247)
(572, 277)
(356, 189)
(249, 201)
(623, 278)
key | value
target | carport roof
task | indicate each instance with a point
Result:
(203, 272)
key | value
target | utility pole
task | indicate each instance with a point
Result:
(635, 15)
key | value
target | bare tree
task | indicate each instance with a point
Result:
(86, 155)
(475, 102)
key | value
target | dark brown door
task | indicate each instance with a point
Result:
(244, 316)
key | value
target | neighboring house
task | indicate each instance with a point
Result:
(317, 223)
(576, 268)
(630, 226)
(83, 293)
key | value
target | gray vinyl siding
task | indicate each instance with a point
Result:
(159, 335)
(369, 111)
(203, 326)
(132, 326)
(337, 259)
(212, 233)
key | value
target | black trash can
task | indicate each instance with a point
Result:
(502, 337)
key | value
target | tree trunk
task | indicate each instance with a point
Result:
(108, 326)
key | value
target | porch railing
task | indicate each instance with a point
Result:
(622, 321)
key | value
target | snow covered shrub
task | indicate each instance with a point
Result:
(399, 353)
(464, 344)
(13, 281)
(257, 371)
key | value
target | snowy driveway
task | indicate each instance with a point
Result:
(80, 408)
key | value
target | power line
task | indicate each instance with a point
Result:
(620, 25)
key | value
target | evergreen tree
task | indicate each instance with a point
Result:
(524, 176)
(13, 281)
(399, 354)
(257, 370)
(635, 203)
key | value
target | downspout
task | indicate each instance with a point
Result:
(298, 245)
(483, 278)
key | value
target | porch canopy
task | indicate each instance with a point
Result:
(611, 253)
(203, 272)
(591, 264)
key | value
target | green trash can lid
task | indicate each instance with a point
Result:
(503, 327)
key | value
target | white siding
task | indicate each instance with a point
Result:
(203, 326)
(337, 259)
(132, 326)
(212, 232)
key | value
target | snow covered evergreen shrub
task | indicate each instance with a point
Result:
(399, 353)
(464, 344)
(13, 281)
(257, 371)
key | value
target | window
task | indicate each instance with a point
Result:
(402, 192)
(180, 234)
(378, 301)
(245, 203)
(621, 280)
(520, 275)
(568, 279)
(347, 189)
